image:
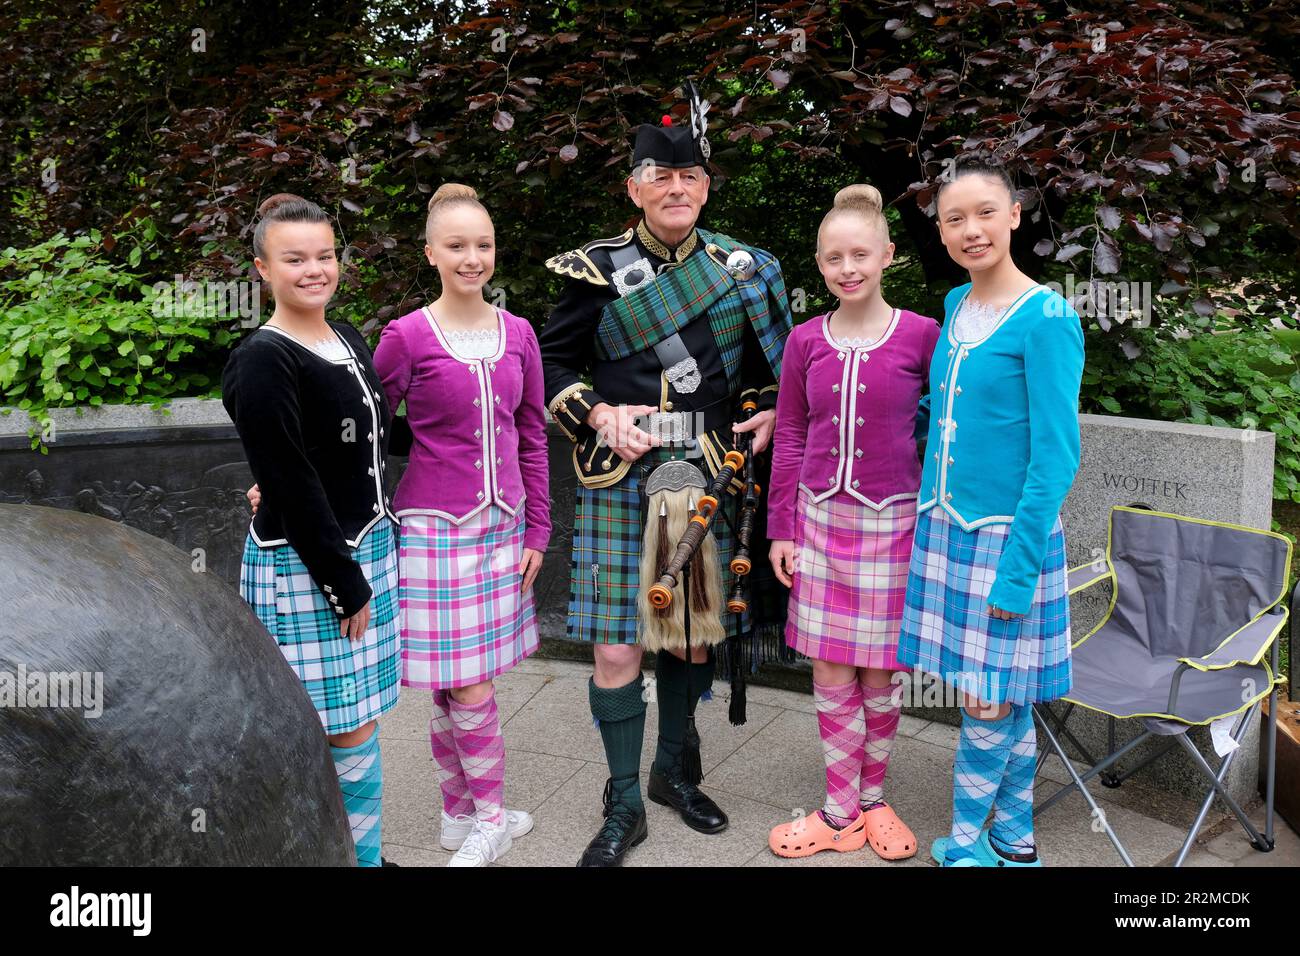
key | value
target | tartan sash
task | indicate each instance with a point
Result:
(700, 286)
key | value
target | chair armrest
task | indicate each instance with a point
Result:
(1246, 645)
(1086, 575)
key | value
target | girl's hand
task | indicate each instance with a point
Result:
(1002, 615)
(529, 566)
(354, 627)
(761, 425)
(782, 557)
(254, 496)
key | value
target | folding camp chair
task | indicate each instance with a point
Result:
(1195, 606)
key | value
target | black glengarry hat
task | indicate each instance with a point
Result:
(674, 147)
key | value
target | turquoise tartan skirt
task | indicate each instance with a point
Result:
(947, 629)
(350, 682)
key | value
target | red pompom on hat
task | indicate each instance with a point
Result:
(666, 120)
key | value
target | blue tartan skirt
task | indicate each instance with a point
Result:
(350, 682)
(947, 629)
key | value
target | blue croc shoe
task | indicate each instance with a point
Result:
(997, 859)
(982, 852)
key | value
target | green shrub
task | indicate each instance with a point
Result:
(1242, 379)
(78, 330)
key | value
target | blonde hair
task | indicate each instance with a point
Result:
(860, 199)
(445, 197)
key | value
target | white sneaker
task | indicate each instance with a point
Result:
(485, 844)
(456, 829)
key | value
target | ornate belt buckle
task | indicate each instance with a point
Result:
(684, 376)
(633, 275)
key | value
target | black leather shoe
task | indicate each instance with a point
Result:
(697, 810)
(624, 828)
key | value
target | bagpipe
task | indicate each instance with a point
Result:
(684, 604)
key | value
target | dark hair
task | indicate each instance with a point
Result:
(283, 207)
(977, 165)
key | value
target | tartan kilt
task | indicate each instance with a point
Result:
(605, 576)
(350, 682)
(465, 617)
(851, 566)
(947, 629)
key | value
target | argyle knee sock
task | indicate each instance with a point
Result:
(882, 712)
(620, 717)
(674, 706)
(482, 753)
(1013, 808)
(456, 800)
(361, 780)
(980, 763)
(843, 734)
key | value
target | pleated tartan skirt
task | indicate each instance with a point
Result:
(350, 682)
(851, 566)
(465, 617)
(947, 629)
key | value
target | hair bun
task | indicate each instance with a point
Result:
(859, 196)
(279, 199)
(449, 191)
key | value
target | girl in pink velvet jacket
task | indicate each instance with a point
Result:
(841, 513)
(474, 507)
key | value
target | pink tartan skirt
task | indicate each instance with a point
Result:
(465, 618)
(850, 578)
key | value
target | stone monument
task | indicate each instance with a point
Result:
(146, 717)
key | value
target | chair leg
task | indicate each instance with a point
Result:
(1216, 787)
(1097, 769)
(1146, 761)
(1097, 812)
(1065, 732)
(1271, 769)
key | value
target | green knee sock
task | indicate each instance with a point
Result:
(620, 715)
(670, 687)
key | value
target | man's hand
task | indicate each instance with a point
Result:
(761, 425)
(254, 496)
(1002, 615)
(616, 427)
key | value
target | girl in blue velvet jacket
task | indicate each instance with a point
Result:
(987, 608)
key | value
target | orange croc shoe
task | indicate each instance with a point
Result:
(888, 835)
(812, 834)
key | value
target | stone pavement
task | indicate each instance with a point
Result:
(761, 773)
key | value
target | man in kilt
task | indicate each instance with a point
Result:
(647, 357)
